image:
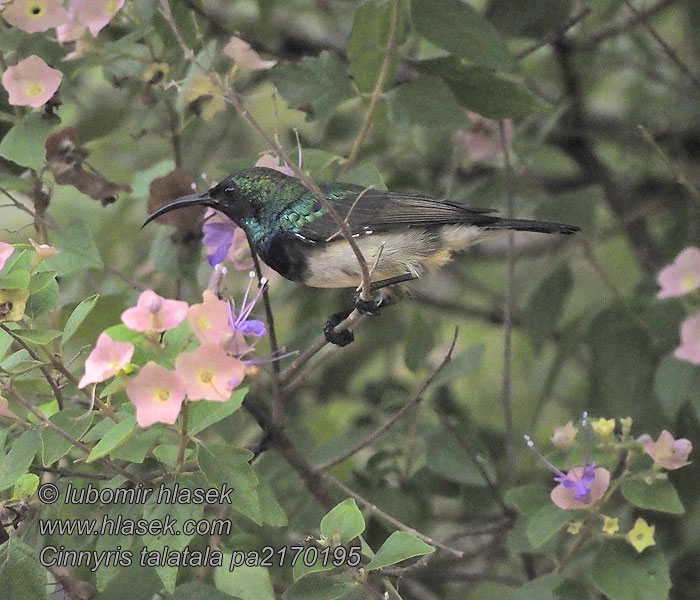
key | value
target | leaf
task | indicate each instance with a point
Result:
(546, 522)
(319, 81)
(528, 499)
(541, 588)
(466, 363)
(116, 435)
(201, 415)
(42, 301)
(77, 250)
(25, 486)
(426, 101)
(198, 591)
(15, 280)
(19, 361)
(315, 587)
(546, 305)
(18, 459)
(74, 420)
(676, 383)
(483, 91)
(77, 317)
(399, 546)
(660, 495)
(420, 340)
(343, 523)
(623, 574)
(24, 143)
(22, 576)
(456, 27)
(446, 457)
(40, 337)
(135, 449)
(538, 20)
(272, 511)
(246, 583)
(41, 280)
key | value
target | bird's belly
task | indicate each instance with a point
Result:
(412, 251)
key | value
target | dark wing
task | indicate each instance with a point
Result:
(379, 210)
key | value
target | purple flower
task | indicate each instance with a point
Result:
(241, 322)
(582, 485)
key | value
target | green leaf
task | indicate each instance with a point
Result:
(456, 27)
(25, 486)
(676, 383)
(343, 523)
(399, 546)
(24, 143)
(77, 317)
(483, 91)
(546, 522)
(167, 453)
(15, 280)
(198, 591)
(320, 81)
(541, 588)
(19, 361)
(315, 587)
(77, 250)
(368, 42)
(466, 363)
(446, 457)
(40, 337)
(660, 495)
(22, 576)
(546, 305)
(272, 511)
(201, 415)
(74, 420)
(137, 447)
(41, 280)
(42, 301)
(246, 583)
(426, 101)
(420, 340)
(17, 461)
(623, 574)
(528, 499)
(116, 435)
(540, 18)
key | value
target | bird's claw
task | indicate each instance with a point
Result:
(368, 307)
(342, 338)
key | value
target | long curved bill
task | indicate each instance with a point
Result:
(192, 200)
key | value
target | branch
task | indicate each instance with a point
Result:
(386, 426)
(554, 35)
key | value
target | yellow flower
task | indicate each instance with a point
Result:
(204, 97)
(626, 426)
(641, 536)
(603, 427)
(611, 525)
(12, 304)
(574, 527)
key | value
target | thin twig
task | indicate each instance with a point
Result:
(378, 87)
(397, 416)
(71, 473)
(555, 34)
(387, 517)
(184, 438)
(125, 278)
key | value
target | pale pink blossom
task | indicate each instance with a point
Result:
(6, 251)
(210, 323)
(154, 313)
(34, 16)
(564, 497)
(668, 452)
(689, 350)
(483, 140)
(269, 161)
(681, 276)
(565, 435)
(209, 373)
(157, 393)
(31, 82)
(42, 251)
(240, 52)
(95, 14)
(106, 360)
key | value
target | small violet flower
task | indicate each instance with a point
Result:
(689, 350)
(209, 373)
(248, 327)
(106, 360)
(667, 452)
(224, 240)
(157, 393)
(31, 82)
(681, 276)
(34, 16)
(564, 435)
(153, 313)
(240, 52)
(6, 251)
(641, 536)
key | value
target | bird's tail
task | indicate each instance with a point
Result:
(537, 226)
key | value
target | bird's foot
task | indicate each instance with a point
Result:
(368, 307)
(342, 338)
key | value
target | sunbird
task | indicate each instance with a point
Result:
(402, 236)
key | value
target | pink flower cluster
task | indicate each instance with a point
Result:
(209, 372)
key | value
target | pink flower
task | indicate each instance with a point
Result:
(565, 435)
(209, 373)
(483, 140)
(31, 82)
(106, 360)
(154, 313)
(667, 452)
(33, 16)
(157, 393)
(95, 14)
(269, 161)
(681, 276)
(596, 480)
(210, 323)
(6, 251)
(42, 251)
(240, 52)
(689, 350)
